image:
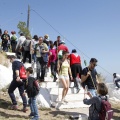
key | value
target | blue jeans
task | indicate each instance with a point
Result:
(34, 57)
(33, 108)
(93, 92)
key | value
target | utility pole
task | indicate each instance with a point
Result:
(28, 17)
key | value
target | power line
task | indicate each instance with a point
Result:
(11, 20)
(66, 39)
(59, 32)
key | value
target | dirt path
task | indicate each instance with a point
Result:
(45, 114)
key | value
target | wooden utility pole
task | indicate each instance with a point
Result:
(28, 17)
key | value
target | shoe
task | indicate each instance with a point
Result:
(55, 79)
(65, 101)
(31, 114)
(14, 107)
(62, 102)
(35, 118)
(78, 90)
(24, 109)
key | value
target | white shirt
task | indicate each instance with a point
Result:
(20, 41)
(117, 77)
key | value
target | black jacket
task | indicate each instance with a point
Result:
(30, 88)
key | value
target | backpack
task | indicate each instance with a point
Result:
(106, 113)
(26, 45)
(14, 37)
(22, 72)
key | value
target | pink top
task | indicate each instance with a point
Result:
(53, 55)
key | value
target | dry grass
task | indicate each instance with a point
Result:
(3, 59)
(116, 109)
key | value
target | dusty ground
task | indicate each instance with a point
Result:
(45, 114)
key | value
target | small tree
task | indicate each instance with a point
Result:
(23, 28)
(101, 78)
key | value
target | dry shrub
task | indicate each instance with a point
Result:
(3, 59)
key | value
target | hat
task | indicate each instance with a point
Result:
(35, 37)
(62, 42)
(21, 34)
(74, 51)
(46, 36)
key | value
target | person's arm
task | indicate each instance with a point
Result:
(17, 75)
(69, 69)
(18, 43)
(113, 80)
(30, 83)
(84, 77)
(17, 68)
(46, 49)
(58, 66)
(90, 101)
(97, 79)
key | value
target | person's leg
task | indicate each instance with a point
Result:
(67, 84)
(53, 71)
(35, 108)
(29, 56)
(31, 107)
(34, 57)
(13, 47)
(74, 75)
(38, 68)
(117, 83)
(43, 68)
(24, 56)
(62, 79)
(11, 89)
(22, 94)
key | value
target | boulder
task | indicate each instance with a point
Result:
(43, 98)
(5, 76)
(112, 91)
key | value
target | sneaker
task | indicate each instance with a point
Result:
(24, 109)
(55, 79)
(78, 90)
(31, 114)
(65, 101)
(62, 102)
(35, 118)
(14, 107)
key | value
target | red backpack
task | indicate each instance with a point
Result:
(106, 112)
(22, 72)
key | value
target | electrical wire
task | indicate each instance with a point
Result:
(67, 39)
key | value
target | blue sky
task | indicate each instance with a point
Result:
(93, 26)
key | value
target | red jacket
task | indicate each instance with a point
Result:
(74, 58)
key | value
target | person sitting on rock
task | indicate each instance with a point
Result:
(116, 79)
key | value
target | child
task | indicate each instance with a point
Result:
(31, 92)
(95, 101)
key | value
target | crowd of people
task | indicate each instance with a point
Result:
(56, 55)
